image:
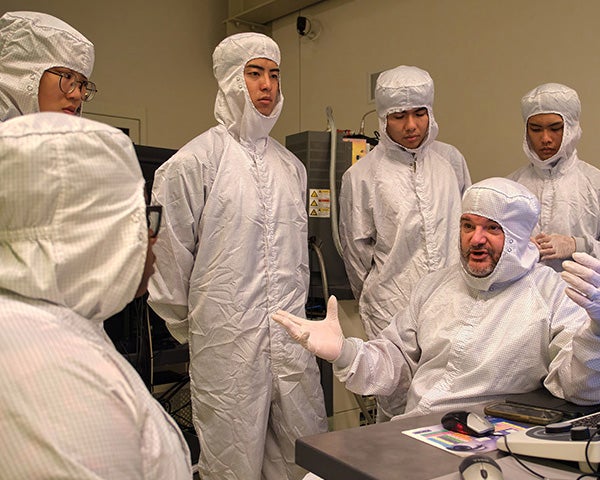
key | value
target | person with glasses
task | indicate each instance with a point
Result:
(76, 242)
(234, 249)
(45, 65)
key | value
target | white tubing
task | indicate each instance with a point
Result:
(335, 234)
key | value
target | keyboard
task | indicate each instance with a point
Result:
(560, 441)
(587, 421)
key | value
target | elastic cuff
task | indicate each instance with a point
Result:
(595, 327)
(579, 244)
(347, 354)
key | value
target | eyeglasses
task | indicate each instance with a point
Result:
(68, 83)
(153, 216)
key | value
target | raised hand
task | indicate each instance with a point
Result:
(583, 278)
(322, 337)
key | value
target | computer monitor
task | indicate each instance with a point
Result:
(129, 329)
(150, 159)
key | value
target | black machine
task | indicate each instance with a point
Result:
(327, 272)
(143, 339)
(137, 331)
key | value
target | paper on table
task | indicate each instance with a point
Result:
(460, 444)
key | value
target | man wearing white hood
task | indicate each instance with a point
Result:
(568, 189)
(44, 66)
(75, 247)
(496, 323)
(233, 250)
(399, 205)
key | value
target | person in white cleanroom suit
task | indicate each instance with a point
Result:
(233, 250)
(32, 45)
(400, 205)
(75, 247)
(496, 323)
(567, 187)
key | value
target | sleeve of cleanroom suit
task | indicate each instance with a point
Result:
(458, 162)
(588, 244)
(183, 202)
(357, 232)
(588, 238)
(385, 365)
(574, 371)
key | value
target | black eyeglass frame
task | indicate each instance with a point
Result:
(90, 87)
(149, 210)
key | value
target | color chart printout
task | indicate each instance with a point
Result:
(461, 444)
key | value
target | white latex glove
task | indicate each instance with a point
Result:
(555, 246)
(322, 337)
(583, 279)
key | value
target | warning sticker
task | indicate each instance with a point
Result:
(318, 203)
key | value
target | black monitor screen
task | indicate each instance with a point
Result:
(129, 329)
(150, 159)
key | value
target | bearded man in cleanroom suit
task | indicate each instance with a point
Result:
(496, 323)
(233, 250)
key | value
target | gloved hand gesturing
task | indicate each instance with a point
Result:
(554, 246)
(322, 337)
(583, 279)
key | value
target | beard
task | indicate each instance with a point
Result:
(478, 269)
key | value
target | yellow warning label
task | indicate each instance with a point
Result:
(319, 204)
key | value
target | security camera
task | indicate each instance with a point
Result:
(303, 26)
(307, 28)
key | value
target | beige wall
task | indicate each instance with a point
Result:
(482, 54)
(154, 60)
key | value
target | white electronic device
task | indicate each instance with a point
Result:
(560, 441)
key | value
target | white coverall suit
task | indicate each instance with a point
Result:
(399, 207)
(466, 340)
(399, 210)
(233, 250)
(30, 44)
(73, 244)
(568, 188)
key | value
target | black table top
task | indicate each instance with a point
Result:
(378, 451)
